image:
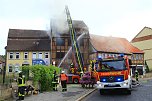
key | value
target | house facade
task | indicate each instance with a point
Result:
(143, 41)
(24, 46)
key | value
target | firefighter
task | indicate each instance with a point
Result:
(63, 79)
(55, 81)
(21, 86)
(136, 75)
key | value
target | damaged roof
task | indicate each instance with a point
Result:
(113, 44)
(79, 24)
(28, 40)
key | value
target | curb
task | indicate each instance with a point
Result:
(80, 98)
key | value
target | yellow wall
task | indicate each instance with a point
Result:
(146, 31)
(146, 46)
(142, 45)
(20, 61)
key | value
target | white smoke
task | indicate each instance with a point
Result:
(58, 23)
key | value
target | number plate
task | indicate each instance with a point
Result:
(111, 84)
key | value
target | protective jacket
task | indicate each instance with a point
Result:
(63, 77)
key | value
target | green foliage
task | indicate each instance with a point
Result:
(41, 75)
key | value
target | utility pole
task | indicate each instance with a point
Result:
(51, 42)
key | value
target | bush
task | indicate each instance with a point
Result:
(41, 75)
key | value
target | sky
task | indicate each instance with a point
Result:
(117, 18)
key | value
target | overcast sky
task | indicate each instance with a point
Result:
(118, 18)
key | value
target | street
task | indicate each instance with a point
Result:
(141, 93)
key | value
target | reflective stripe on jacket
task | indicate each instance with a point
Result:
(21, 81)
(63, 77)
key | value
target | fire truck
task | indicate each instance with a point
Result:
(72, 78)
(114, 73)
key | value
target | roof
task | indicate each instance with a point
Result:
(113, 44)
(28, 40)
(27, 34)
(144, 34)
(79, 24)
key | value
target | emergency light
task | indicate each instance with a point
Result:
(103, 79)
(119, 79)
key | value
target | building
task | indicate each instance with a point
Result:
(61, 46)
(113, 46)
(54, 47)
(23, 46)
(143, 41)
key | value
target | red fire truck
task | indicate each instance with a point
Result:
(114, 73)
(72, 78)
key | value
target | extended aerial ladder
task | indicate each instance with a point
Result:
(74, 42)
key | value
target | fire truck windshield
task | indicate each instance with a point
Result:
(111, 65)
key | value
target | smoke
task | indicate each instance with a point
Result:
(58, 21)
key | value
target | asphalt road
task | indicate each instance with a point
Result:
(141, 93)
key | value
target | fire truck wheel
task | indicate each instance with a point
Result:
(75, 81)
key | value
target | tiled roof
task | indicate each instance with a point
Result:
(112, 44)
(28, 40)
(27, 34)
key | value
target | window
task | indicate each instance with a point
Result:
(60, 42)
(46, 55)
(69, 42)
(34, 55)
(137, 57)
(60, 54)
(17, 55)
(10, 69)
(132, 57)
(25, 55)
(40, 55)
(11, 55)
(16, 68)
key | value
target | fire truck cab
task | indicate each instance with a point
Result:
(114, 74)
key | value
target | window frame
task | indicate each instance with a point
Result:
(17, 55)
(26, 54)
(40, 55)
(46, 54)
(11, 54)
(10, 69)
(34, 54)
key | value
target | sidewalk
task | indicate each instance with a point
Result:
(147, 76)
(74, 93)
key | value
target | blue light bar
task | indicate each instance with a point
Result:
(119, 79)
(104, 80)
